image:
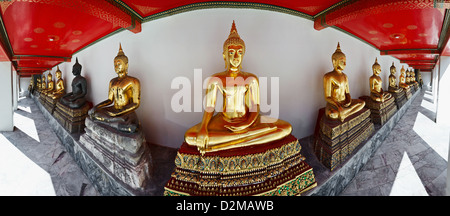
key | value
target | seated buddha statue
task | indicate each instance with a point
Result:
(76, 98)
(59, 87)
(239, 124)
(38, 84)
(393, 87)
(340, 105)
(412, 79)
(408, 77)
(402, 80)
(376, 92)
(43, 84)
(124, 98)
(50, 84)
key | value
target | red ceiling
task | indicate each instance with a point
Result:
(40, 34)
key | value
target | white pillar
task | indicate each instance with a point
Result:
(6, 99)
(15, 88)
(443, 97)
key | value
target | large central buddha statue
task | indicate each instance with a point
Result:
(239, 124)
(340, 105)
(376, 91)
(123, 99)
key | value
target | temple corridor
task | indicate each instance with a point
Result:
(412, 161)
(34, 162)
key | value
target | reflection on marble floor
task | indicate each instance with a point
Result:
(412, 160)
(33, 161)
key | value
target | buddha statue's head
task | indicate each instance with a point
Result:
(58, 73)
(233, 50)
(76, 69)
(49, 77)
(121, 63)
(339, 60)
(393, 69)
(376, 68)
(402, 71)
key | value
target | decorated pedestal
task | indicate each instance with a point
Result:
(416, 86)
(380, 112)
(72, 119)
(400, 98)
(50, 104)
(273, 169)
(336, 140)
(126, 156)
(412, 89)
(408, 93)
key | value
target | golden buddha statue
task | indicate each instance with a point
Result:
(376, 92)
(402, 81)
(38, 84)
(124, 93)
(43, 84)
(408, 77)
(412, 79)
(340, 105)
(50, 84)
(393, 87)
(59, 90)
(239, 124)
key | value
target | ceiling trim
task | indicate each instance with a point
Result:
(445, 32)
(4, 39)
(40, 57)
(224, 4)
(409, 51)
(352, 9)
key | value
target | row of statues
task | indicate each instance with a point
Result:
(238, 133)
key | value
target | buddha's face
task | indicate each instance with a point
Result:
(234, 56)
(58, 75)
(339, 62)
(376, 69)
(76, 71)
(120, 67)
(393, 70)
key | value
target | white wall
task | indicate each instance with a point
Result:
(443, 103)
(24, 83)
(277, 45)
(426, 78)
(6, 100)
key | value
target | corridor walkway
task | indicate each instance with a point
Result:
(411, 161)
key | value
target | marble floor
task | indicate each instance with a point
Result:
(411, 161)
(33, 162)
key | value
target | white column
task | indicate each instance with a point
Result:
(6, 99)
(15, 88)
(443, 97)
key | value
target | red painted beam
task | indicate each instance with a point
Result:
(409, 51)
(40, 58)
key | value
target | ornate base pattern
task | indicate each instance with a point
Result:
(400, 97)
(273, 169)
(380, 112)
(336, 140)
(126, 156)
(72, 119)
